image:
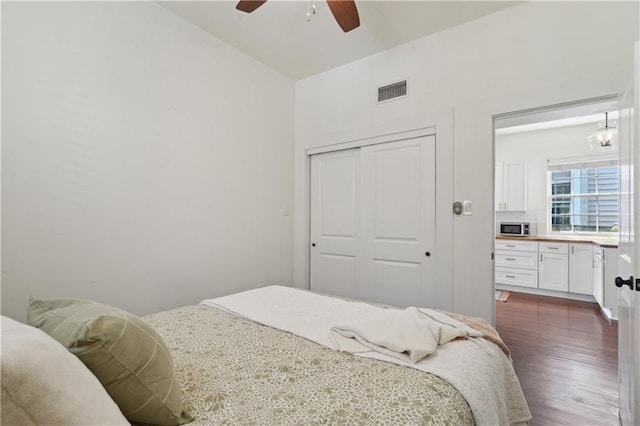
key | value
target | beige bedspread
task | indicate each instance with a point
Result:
(477, 368)
(236, 371)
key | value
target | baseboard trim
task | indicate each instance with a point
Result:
(551, 293)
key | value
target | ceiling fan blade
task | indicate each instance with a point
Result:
(249, 5)
(346, 14)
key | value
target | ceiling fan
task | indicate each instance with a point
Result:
(344, 11)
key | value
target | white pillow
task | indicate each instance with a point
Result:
(44, 383)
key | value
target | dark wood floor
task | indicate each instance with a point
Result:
(565, 354)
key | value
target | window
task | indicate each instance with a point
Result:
(584, 198)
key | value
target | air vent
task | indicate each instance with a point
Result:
(392, 91)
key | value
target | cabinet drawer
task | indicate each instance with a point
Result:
(517, 259)
(519, 277)
(561, 248)
(516, 245)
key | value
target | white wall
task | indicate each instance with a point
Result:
(145, 164)
(531, 55)
(536, 147)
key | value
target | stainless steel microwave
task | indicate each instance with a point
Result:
(517, 229)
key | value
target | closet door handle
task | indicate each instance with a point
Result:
(540, 257)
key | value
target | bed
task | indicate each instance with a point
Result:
(268, 356)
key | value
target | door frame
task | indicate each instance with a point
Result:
(438, 123)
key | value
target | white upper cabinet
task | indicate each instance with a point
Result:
(511, 186)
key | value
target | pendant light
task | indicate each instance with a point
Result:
(602, 139)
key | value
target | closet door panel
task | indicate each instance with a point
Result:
(337, 275)
(335, 252)
(393, 282)
(398, 221)
(394, 192)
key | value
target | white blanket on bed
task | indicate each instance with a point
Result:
(477, 368)
(408, 334)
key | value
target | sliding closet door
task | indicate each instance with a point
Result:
(398, 222)
(373, 222)
(335, 223)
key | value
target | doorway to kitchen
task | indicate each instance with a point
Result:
(556, 201)
(556, 230)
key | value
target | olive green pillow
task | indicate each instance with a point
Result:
(126, 354)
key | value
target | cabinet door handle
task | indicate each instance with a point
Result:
(510, 245)
(552, 248)
(509, 258)
(540, 257)
(510, 276)
(572, 247)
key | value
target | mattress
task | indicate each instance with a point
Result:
(235, 370)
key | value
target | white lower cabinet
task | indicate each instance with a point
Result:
(519, 277)
(517, 259)
(553, 267)
(516, 263)
(581, 268)
(575, 269)
(605, 267)
(610, 271)
(598, 275)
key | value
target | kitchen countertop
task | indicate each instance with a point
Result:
(599, 241)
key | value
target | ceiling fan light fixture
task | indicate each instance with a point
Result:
(604, 136)
(345, 12)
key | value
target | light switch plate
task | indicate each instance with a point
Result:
(466, 207)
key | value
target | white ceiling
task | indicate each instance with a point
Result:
(278, 34)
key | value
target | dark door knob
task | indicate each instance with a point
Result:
(427, 253)
(620, 282)
(313, 244)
